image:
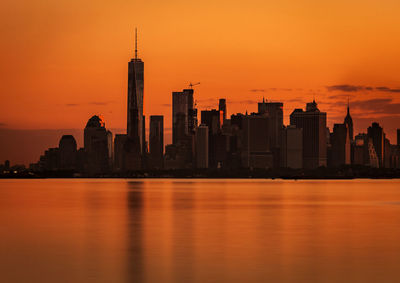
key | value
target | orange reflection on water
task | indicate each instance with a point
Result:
(199, 231)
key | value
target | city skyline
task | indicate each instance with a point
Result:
(139, 134)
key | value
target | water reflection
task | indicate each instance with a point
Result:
(135, 238)
(199, 231)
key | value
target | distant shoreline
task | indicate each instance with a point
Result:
(322, 173)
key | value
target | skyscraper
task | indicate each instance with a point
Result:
(202, 146)
(135, 101)
(313, 123)
(222, 107)
(340, 141)
(213, 119)
(274, 110)
(292, 147)
(256, 151)
(156, 140)
(97, 145)
(348, 121)
(376, 134)
(184, 115)
(184, 122)
(119, 152)
(68, 152)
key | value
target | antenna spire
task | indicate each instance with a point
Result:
(135, 43)
(348, 105)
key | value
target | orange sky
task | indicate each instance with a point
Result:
(63, 61)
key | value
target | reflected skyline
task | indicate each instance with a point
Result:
(199, 230)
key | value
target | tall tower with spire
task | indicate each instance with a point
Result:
(135, 119)
(348, 121)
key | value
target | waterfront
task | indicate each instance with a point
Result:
(170, 230)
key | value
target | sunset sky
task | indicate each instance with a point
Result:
(63, 61)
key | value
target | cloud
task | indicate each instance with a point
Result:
(336, 96)
(270, 89)
(387, 89)
(348, 88)
(354, 88)
(377, 106)
(100, 103)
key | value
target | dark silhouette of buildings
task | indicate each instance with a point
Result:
(364, 151)
(313, 123)
(98, 146)
(119, 152)
(256, 151)
(156, 141)
(184, 115)
(7, 165)
(68, 153)
(65, 157)
(213, 119)
(340, 145)
(348, 121)
(292, 147)
(184, 122)
(256, 141)
(274, 110)
(202, 146)
(222, 107)
(376, 134)
(135, 145)
(398, 137)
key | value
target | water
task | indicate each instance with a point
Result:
(199, 231)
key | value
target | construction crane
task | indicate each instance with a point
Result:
(192, 85)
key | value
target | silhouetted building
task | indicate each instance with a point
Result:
(313, 123)
(292, 147)
(213, 119)
(274, 110)
(394, 156)
(119, 152)
(376, 134)
(387, 158)
(68, 153)
(184, 123)
(172, 160)
(156, 139)
(232, 129)
(49, 161)
(222, 107)
(340, 145)
(7, 165)
(202, 146)
(348, 121)
(364, 151)
(256, 151)
(398, 137)
(135, 120)
(98, 146)
(184, 115)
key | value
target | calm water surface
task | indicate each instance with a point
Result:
(199, 231)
